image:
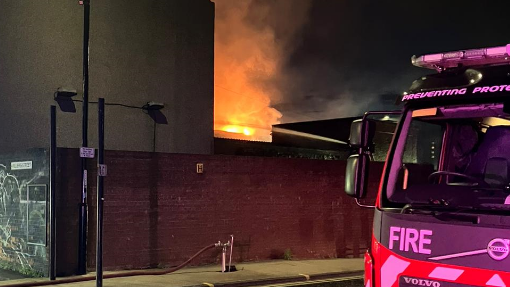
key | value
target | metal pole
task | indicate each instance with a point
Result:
(231, 249)
(53, 174)
(101, 172)
(224, 259)
(82, 253)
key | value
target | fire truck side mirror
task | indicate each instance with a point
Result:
(356, 175)
(356, 172)
(362, 133)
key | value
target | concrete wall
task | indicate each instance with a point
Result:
(140, 51)
(159, 211)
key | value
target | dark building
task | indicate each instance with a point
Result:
(332, 135)
(323, 139)
(324, 134)
(140, 51)
(265, 149)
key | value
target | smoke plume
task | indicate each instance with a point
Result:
(288, 60)
(253, 40)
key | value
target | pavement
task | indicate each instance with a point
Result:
(10, 275)
(280, 273)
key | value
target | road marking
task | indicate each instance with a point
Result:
(313, 282)
(306, 276)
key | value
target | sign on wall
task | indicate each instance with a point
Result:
(21, 165)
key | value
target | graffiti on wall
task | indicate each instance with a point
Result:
(23, 215)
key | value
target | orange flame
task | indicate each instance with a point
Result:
(244, 58)
(238, 130)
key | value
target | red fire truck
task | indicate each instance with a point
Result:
(442, 211)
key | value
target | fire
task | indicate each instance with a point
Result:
(245, 58)
(239, 130)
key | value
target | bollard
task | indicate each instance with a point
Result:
(224, 258)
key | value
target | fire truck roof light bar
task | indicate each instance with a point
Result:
(473, 57)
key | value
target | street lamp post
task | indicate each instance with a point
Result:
(53, 174)
(101, 173)
(82, 252)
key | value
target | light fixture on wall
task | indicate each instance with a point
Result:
(153, 109)
(64, 98)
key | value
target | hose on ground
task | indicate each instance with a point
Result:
(114, 275)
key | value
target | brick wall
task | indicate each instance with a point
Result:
(158, 211)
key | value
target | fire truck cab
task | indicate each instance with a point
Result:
(442, 211)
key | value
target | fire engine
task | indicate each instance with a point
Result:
(442, 211)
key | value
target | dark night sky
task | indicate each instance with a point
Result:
(357, 50)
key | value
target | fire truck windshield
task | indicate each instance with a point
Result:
(452, 156)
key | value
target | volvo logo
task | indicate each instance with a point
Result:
(498, 248)
(421, 282)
